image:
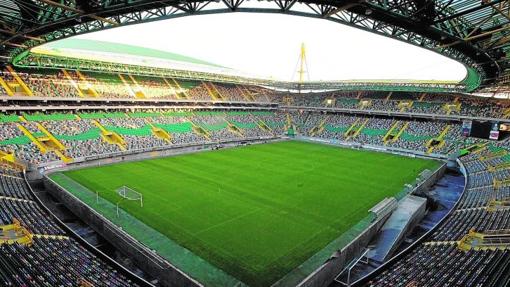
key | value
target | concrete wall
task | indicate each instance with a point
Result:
(416, 216)
(84, 243)
(326, 273)
(149, 262)
(411, 247)
(431, 180)
(169, 275)
(143, 257)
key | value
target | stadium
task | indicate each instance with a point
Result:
(139, 146)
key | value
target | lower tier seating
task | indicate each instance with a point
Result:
(443, 259)
(51, 258)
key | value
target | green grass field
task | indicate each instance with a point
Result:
(259, 211)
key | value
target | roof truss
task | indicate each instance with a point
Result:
(474, 32)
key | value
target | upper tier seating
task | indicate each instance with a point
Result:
(74, 84)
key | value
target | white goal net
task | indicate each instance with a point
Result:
(130, 194)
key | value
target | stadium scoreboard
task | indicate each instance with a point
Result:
(485, 129)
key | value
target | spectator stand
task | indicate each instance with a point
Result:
(14, 84)
(438, 142)
(111, 137)
(15, 233)
(44, 140)
(355, 128)
(395, 132)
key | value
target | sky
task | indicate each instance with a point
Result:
(268, 45)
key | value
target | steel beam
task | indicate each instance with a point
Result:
(78, 11)
(403, 20)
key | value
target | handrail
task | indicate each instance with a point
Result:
(413, 245)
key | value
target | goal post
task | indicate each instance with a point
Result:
(130, 194)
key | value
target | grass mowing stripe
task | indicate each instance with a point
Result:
(195, 266)
(258, 211)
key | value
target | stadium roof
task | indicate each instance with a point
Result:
(263, 51)
(94, 48)
(476, 33)
(108, 52)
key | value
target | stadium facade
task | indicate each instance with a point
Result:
(66, 113)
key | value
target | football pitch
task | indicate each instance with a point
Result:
(258, 211)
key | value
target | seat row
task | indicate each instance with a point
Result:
(53, 258)
(438, 261)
